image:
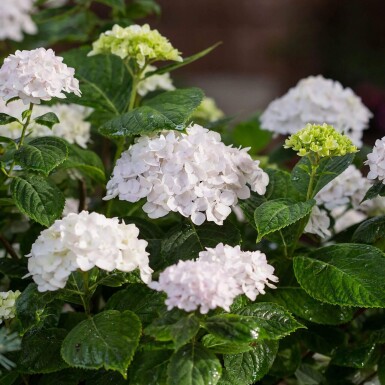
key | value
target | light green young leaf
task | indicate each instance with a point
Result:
(42, 154)
(344, 274)
(194, 365)
(279, 213)
(108, 340)
(170, 110)
(38, 198)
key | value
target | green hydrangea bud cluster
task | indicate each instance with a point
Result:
(136, 42)
(7, 304)
(322, 140)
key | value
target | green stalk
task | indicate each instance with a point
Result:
(20, 144)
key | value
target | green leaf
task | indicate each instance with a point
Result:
(102, 377)
(193, 365)
(328, 169)
(42, 154)
(221, 346)
(370, 231)
(150, 367)
(249, 367)
(146, 303)
(38, 198)
(273, 320)
(249, 206)
(274, 215)
(250, 134)
(288, 357)
(6, 119)
(378, 189)
(40, 351)
(4, 139)
(9, 378)
(85, 161)
(344, 274)
(170, 110)
(30, 306)
(297, 301)
(360, 357)
(186, 241)
(104, 81)
(138, 9)
(381, 370)
(235, 328)
(49, 119)
(186, 60)
(170, 328)
(280, 185)
(108, 340)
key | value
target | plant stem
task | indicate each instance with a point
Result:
(8, 247)
(20, 144)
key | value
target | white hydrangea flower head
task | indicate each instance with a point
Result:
(249, 268)
(190, 285)
(376, 161)
(72, 127)
(345, 218)
(36, 75)
(7, 304)
(83, 241)
(154, 82)
(192, 173)
(318, 100)
(344, 189)
(15, 19)
(319, 223)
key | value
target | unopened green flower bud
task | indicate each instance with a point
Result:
(322, 140)
(136, 42)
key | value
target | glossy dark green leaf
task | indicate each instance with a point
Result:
(40, 351)
(370, 231)
(107, 340)
(359, 357)
(221, 346)
(276, 214)
(13, 268)
(280, 185)
(249, 367)
(146, 303)
(6, 119)
(296, 300)
(344, 274)
(250, 134)
(86, 161)
(31, 304)
(170, 110)
(42, 154)
(49, 119)
(193, 365)
(64, 377)
(104, 81)
(378, 189)
(38, 198)
(178, 329)
(150, 368)
(328, 169)
(273, 320)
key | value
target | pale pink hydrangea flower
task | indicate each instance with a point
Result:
(190, 285)
(249, 268)
(192, 173)
(36, 75)
(318, 100)
(376, 161)
(83, 241)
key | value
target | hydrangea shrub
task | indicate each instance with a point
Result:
(145, 239)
